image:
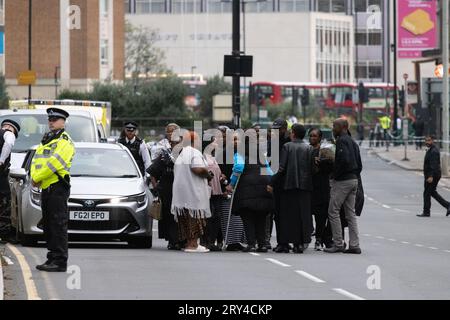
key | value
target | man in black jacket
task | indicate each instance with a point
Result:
(344, 184)
(432, 175)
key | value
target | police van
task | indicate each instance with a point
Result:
(88, 122)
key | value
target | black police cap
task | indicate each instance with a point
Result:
(57, 113)
(131, 124)
(13, 124)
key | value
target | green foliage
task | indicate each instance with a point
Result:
(214, 86)
(4, 98)
(163, 97)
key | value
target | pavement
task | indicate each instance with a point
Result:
(404, 257)
(396, 156)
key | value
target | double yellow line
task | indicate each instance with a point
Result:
(30, 286)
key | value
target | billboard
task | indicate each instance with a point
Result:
(417, 27)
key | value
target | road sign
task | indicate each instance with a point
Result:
(405, 76)
(26, 78)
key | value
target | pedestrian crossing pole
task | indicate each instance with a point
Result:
(445, 91)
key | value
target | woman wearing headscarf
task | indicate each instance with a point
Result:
(161, 173)
(191, 193)
(252, 202)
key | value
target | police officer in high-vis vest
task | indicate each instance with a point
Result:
(50, 171)
(136, 146)
(8, 133)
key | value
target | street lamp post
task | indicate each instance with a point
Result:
(30, 20)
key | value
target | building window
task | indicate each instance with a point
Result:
(361, 38)
(150, 6)
(375, 39)
(375, 72)
(217, 6)
(339, 6)
(104, 52)
(104, 7)
(360, 5)
(324, 6)
(186, 6)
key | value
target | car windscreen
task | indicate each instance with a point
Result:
(34, 126)
(92, 162)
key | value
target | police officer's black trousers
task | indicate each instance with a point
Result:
(55, 220)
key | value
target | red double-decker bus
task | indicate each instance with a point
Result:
(345, 98)
(283, 92)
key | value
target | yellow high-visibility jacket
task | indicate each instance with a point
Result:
(385, 122)
(54, 157)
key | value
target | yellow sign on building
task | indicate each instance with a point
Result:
(26, 78)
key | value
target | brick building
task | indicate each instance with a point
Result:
(79, 41)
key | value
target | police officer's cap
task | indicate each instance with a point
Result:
(57, 113)
(13, 124)
(131, 125)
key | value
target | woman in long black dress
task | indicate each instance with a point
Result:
(161, 172)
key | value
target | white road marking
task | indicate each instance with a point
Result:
(405, 242)
(433, 248)
(392, 239)
(51, 290)
(447, 251)
(419, 245)
(366, 235)
(26, 273)
(254, 254)
(379, 237)
(275, 261)
(8, 260)
(386, 206)
(309, 276)
(348, 294)
(370, 199)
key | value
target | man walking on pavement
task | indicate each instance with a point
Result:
(50, 171)
(8, 134)
(136, 146)
(432, 175)
(344, 184)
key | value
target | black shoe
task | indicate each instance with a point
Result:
(249, 248)
(268, 245)
(52, 267)
(423, 215)
(214, 248)
(334, 249)
(355, 250)
(262, 249)
(318, 246)
(234, 247)
(448, 211)
(297, 249)
(174, 246)
(282, 249)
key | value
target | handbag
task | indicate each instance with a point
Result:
(155, 209)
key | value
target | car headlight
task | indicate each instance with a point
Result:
(35, 196)
(139, 198)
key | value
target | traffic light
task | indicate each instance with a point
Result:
(363, 93)
(305, 97)
(401, 98)
(295, 97)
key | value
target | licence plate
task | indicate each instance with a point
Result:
(89, 215)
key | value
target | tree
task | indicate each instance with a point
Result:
(142, 56)
(4, 98)
(214, 86)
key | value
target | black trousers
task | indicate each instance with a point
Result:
(55, 220)
(213, 230)
(255, 227)
(430, 191)
(5, 206)
(320, 212)
(277, 199)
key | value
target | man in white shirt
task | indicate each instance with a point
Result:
(8, 134)
(137, 146)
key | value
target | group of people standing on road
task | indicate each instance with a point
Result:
(213, 199)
